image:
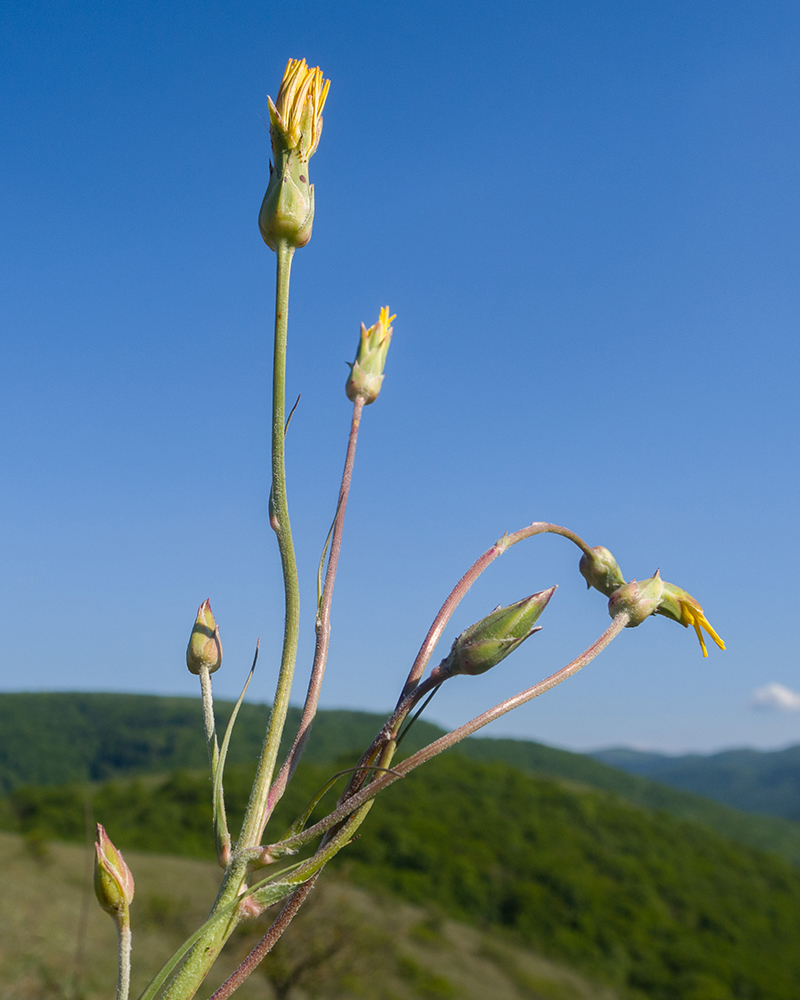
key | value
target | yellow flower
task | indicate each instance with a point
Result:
(684, 609)
(287, 212)
(297, 112)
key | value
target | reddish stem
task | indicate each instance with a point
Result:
(323, 627)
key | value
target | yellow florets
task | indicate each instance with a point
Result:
(681, 607)
(298, 107)
(692, 614)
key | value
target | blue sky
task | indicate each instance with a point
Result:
(585, 217)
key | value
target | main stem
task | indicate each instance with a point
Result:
(279, 520)
(205, 951)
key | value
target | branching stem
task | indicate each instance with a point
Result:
(450, 739)
(458, 592)
(323, 625)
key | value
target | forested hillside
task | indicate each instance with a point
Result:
(761, 781)
(656, 907)
(58, 738)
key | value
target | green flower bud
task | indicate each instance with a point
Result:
(113, 882)
(600, 570)
(287, 212)
(205, 648)
(483, 645)
(638, 599)
(366, 372)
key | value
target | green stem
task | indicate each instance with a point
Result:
(124, 959)
(208, 720)
(279, 520)
(205, 951)
(323, 626)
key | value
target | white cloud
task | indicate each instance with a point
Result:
(776, 697)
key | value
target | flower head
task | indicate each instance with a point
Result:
(366, 372)
(113, 882)
(600, 570)
(487, 642)
(296, 114)
(204, 649)
(637, 599)
(287, 212)
(681, 607)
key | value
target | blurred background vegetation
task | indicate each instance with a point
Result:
(560, 876)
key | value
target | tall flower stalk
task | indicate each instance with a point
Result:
(286, 221)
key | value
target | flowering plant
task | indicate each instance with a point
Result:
(256, 874)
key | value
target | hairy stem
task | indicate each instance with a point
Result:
(267, 943)
(323, 625)
(450, 739)
(459, 591)
(279, 520)
(205, 951)
(124, 959)
(208, 719)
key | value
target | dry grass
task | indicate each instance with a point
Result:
(345, 944)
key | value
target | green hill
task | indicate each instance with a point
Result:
(58, 738)
(757, 780)
(655, 907)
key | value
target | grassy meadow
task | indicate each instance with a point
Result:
(57, 944)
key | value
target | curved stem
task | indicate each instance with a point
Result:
(450, 739)
(323, 626)
(458, 592)
(279, 520)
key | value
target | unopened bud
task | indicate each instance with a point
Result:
(205, 648)
(483, 645)
(113, 882)
(366, 372)
(600, 570)
(637, 599)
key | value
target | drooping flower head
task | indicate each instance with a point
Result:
(638, 599)
(601, 570)
(681, 607)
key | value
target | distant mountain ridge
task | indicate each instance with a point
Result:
(764, 781)
(61, 738)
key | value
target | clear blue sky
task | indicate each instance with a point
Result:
(586, 218)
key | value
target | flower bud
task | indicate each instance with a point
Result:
(684, 609)
(600, 570)
(638, 600)
(287, 212)
(366, 372)
(483, 645)
(205, 648)
(113, 882)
